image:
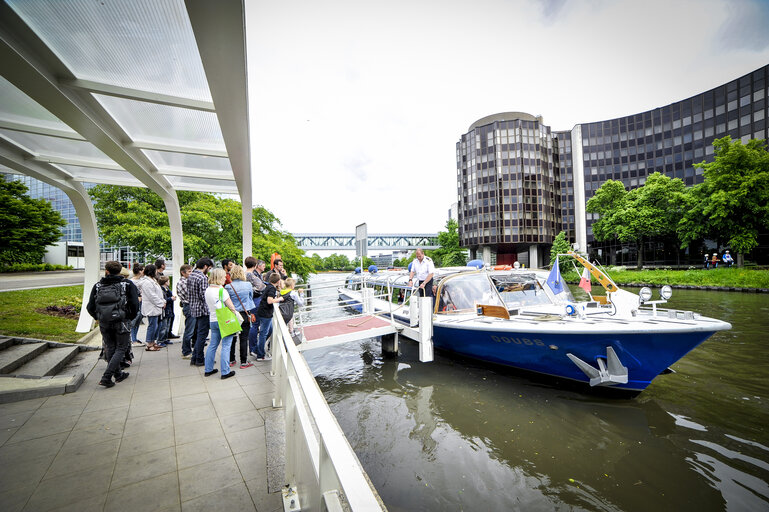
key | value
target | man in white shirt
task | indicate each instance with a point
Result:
(423, 269)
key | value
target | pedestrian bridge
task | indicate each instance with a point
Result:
(346, 241)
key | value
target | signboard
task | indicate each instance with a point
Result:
(361, 241)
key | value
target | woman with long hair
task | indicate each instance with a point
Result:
(242, 295)
(216, 279)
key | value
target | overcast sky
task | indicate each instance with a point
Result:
(356, 106)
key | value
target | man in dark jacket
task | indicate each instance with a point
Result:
(114, 302)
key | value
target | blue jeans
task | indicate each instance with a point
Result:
(224, 357)
(163, 325)
(135, 327)
(153, 328)
(265, 327)
(201, 332)
(189, 330)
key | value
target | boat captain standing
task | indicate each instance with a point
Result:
(423, 269)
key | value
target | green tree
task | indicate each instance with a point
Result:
(732, 204)
(561, 245)
(449, 254)
(652, 210)
(212, 226)
(27, 225)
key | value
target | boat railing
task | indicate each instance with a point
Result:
(321, 470)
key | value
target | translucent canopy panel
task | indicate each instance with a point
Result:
(220, 186)
(106, 176)
(140, 44)
(163, 124)
(55, 149)
(17, 107)
(167, 160)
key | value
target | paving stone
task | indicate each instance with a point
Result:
(31, 449)
(201, 451)
(225, 407)
(252, 464)
(149, 424)
(141, 408)
(42, 427)
(155, 494)
(26, 471)
(15, 419)
(70, 488)
(15, 499)
(144, 466)
(143, 443)
(195, 431)
(206, 478)
(236, 496)
(264, 501)
(92, 504)
(241, 421)
(187, 401)
(83, 457)
(246, 440)
(6, 434)
(193, 414)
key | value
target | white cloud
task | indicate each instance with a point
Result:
(356, 106)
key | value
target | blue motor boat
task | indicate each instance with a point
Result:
(520, 318)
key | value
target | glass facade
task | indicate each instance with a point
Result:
(518, 184)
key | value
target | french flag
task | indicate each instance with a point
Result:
(584, 282)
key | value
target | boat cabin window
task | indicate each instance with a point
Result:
(520, 290)
(465, 292)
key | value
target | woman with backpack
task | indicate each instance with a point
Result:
(153, 302)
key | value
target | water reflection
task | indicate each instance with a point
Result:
(455, 435)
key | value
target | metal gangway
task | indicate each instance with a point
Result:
(322, 471)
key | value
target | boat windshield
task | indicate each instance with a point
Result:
(465, 292)
(518, 290)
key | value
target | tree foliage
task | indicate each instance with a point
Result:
(732, 204)
(561, 245)
(27, 225)
(449, 254)
(212, 226)
(652, 210)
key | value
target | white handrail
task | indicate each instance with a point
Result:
(334, 465)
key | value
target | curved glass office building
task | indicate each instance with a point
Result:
(519, 183)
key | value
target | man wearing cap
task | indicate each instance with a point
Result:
(423, 269)
(706, 265)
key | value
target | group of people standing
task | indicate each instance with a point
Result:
(202, 291)
(713, 261)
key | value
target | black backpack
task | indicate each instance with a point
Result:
(111, 302)
(287, 308)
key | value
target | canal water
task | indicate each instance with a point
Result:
(456, 435)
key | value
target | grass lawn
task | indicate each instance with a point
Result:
(18, 315)
(722, 277)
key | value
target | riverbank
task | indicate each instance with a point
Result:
(734, 279)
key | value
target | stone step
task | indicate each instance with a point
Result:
(7, 342)
(17, 355)
(49, 362)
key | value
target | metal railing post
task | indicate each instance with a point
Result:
(425, 329)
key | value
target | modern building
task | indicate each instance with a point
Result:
(519, 183)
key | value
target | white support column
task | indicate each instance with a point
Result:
(248, 222)
(580, 219)
(85, 214)
(177, 248)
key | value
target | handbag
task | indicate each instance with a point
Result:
(251, 316)
(229, 322)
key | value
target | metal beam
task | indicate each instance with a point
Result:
(176, 148)
(40, 130)
(220, 33)
(135, 94)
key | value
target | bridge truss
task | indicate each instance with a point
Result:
(346, 242)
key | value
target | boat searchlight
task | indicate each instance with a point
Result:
(645, 294)
(666, 292)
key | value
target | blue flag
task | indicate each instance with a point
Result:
(554, 280)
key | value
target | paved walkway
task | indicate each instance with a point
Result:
(166, 438)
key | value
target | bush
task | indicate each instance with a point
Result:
(33, 267)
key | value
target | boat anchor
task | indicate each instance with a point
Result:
(609, 372)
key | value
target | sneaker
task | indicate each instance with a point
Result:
(138, 343)
(227, 376)
(173, 337)
(168, 342)
(197, 364)
(123, 376)
(208, 374)
(265, 358)
(232, 363)
(124, 365)
(161, 345)
(187, 356)
(246, 365)
(254, 354)
(107, 383)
